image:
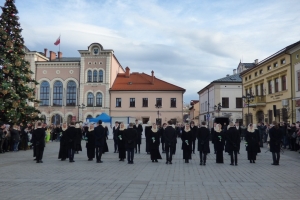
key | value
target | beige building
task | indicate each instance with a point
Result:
(66, 82)
(146, 98)
(194, 111)
(295, 57)
(270, 82)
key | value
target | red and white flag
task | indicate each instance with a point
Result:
(57, 41)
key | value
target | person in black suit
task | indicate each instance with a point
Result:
(100, 138)
(139, 128)
(39, 135)
(194, 135)
(238, 128)
(203, 142)
(63, 148)
(170, 139)
(71, 141)
(130, 136)
(233, 140)
(276, 136)
(162, 139)
(115, 136)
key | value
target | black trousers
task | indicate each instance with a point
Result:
(71, 152)
(130, 154)
(219, 157)
(169, 152)
(193, 145)
(39, 152)
(98, 153)
(116, 144)
(202, 156)
(235, 160)
(276, 157)
(163, 146)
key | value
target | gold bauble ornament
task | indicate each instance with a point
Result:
(18, 63)
(4, 92)
(6, 71)
(9, 44)
(15, 104)
(4, 37)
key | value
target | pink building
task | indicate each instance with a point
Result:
(146, 98)
(66, 82)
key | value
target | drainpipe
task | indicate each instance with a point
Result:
(208, 108)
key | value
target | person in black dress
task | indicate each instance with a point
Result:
(148, 136)
(238, 128)
(121, 142)
(251, 143)
(187, 140)
(233, 140)
(63, 147)
(203, 142)
(78, 138)
(100, 138)
(154, 145)
(90, 143)
(276, 135)
(194, 134)
(139, 128)
(130, 136)
(219, 143)
(212, 133)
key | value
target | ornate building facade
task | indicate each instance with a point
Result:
(66, 82)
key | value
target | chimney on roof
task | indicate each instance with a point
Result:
(227, 75)
(59, 55)
(52, 55)
(127, 72)
(234, 71)
(152, 72)
(256, 61)
(45, 52)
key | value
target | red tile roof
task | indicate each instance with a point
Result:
(141, 82)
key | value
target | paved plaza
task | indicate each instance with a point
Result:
(22, 178)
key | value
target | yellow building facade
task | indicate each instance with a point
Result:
(270, 81)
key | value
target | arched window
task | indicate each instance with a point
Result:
(89, 78)
(56, 119)
(57, 93)
(88, 117)
(101, 76)
(99, 99)
(95, 74)
(71, 93)
(69, 119)
(43, 117)
(44, 93)
(90, 99)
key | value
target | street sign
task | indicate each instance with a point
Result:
(208, 115)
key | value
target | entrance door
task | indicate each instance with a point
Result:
(260, 116)
(56, 119)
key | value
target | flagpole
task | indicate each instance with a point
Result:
(59, 45)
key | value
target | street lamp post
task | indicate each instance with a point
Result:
(158, 107)
(248, 98)
(82, 106)
(218, 108)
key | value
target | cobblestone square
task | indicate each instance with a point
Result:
(22, 178)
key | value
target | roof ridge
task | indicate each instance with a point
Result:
(167, 82)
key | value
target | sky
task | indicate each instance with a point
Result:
(188, 43)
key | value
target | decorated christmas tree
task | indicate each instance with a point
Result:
(17, 88)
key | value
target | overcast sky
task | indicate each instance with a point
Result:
(187, 43)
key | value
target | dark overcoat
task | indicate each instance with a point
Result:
(203, 139)
(71, 137)
(233, 139)
(130, 136)
(170, 136)
(139, 129)
(100, 136)
(275, 139)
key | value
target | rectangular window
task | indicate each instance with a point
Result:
(282, 61)
(269, 67)
(245, 78)
(270, 87)
(262, 89)
(275, 64)
(132, 102)
(260, 71)
(205, 106)
(255, 74)
(225, 102)
(173, 102)
(250, 90)
(145, 102)
(249, 77)
(276, 84)
(118, 102)
(239, 102)
(256, 90)
(283, 83)
(159, 102)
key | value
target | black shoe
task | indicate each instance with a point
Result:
(156, 160)
(34, 159)
(236, 164)
(152, 160)
(273, 164)
(115, 152)
(231, 163)
(187, 161)
(170, 163)
(253, 161)
(200, 163)
(73, 161)
(62, 159)
(167, 162)
(250, 161)
(120, 160)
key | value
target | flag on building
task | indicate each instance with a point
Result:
(57, 41)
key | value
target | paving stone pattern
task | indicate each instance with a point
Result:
(22, 178)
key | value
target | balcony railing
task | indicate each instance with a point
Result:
(260, 99)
